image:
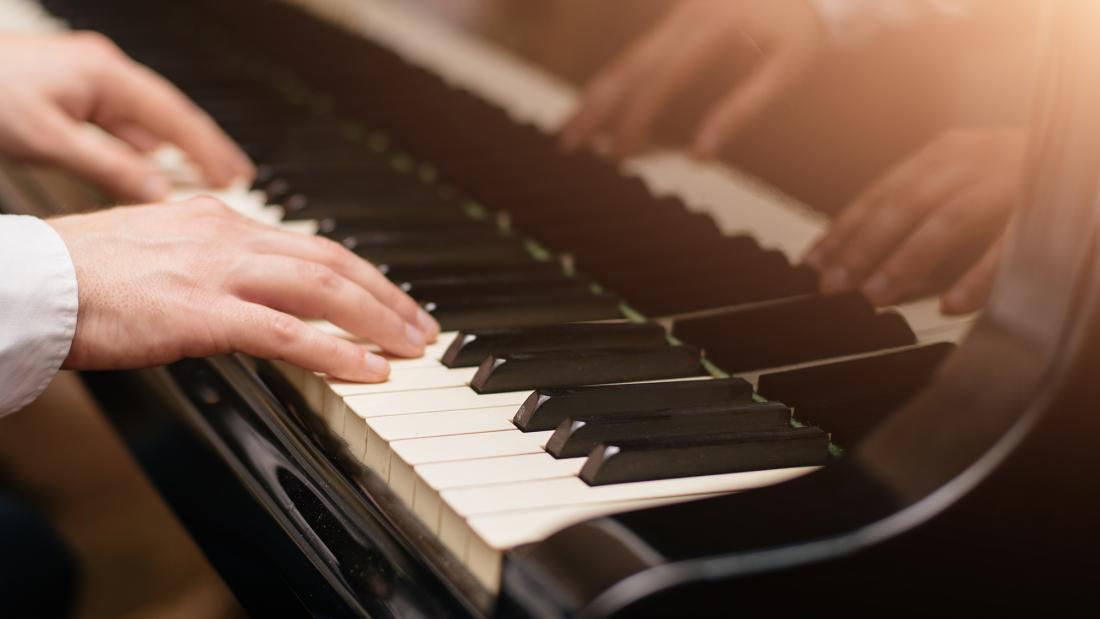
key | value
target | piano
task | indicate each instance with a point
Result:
(617, 420)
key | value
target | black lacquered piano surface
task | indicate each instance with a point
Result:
(471, 211)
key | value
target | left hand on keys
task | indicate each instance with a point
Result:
(52, 85)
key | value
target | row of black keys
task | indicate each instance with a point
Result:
(645, 431)
(616, 230)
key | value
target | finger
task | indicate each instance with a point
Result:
(605, 93)
(885, 226)
(139, 139)
(845, 226)
(733, 112)
(106, 162)
(312, 290)
(678, 67)
(953, 231)
(134, 95)
(263, 332)
(339, 259)
(972, 290)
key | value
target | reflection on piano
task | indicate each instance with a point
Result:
(605, 424)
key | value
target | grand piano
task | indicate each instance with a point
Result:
(639, 405)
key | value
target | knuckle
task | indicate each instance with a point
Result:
(283, 329)
(96, 49)
(332, 252)
(321, 276)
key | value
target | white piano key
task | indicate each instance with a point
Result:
(431, 479)
(432, 400)
(422, 425)
(410, 380)
(307, 227)
(468, 446)
(490, 536)
(462, 505)
(413, 379)
(405, 455)
(355, 434)
(566, 491)
(497, 470)
(381, 432)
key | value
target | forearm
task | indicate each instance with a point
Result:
(38, 307)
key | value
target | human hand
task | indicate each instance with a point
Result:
(927, 221)
(625, 102)
(191, 279)
(52, 85)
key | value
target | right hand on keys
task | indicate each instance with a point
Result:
(51, 86)
(162, 282)
(624, 104)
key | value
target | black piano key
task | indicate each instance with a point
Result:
(470, 348)
(794, 331)
(576, 437)
(850, 398)
(546, 408)
(455, 288)
(526, 269)
(504, 249)
(336, 225)
(709, 454)
(463, 226)
(522, 371)
(523, 312)
(396, 237)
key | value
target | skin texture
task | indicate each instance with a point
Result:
(52, 86)
(622, 106)
(933, 222)
(162, 282)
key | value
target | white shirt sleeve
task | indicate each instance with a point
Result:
(38, 303)
(851, 22)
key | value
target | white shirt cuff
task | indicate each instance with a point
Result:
(38, 305)
(853, 22)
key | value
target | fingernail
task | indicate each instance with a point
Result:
(376, 365)
(414, 336)
(836, 280)
(956, 299)
(155, 188)
(876, 287)
(426, 323)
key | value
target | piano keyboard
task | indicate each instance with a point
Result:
(500, 444)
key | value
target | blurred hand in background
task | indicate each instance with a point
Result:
(774, 43)
(933, 222)
(51, 86)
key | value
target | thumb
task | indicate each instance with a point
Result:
(109, 163)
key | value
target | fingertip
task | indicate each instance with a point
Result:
(877, 289)
(154, 188)
(813, 259)
(415, 338)
(377, 368)
(836, 280)
(428, 325)
(704, 147)
(956, 301)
